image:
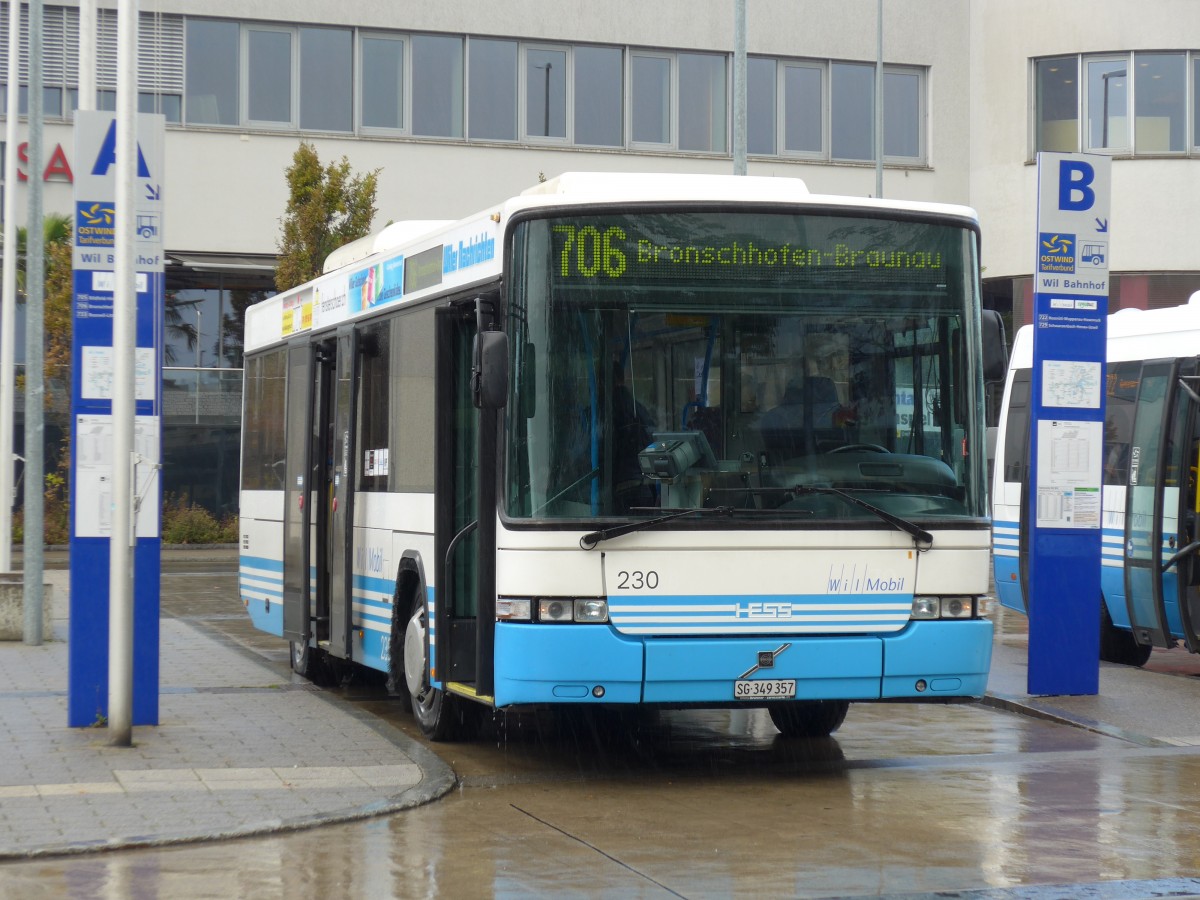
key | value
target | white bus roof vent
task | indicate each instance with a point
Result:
(669, 186)
(391, 237)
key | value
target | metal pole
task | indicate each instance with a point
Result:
(35, 389)
(879, 98)
(87, 54)
(739, 87)
(122, 541)
(8, 296)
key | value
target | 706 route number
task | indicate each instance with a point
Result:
(637, 581)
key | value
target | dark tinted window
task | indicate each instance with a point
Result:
(1016, 431)
(374, 384)
(263, 439)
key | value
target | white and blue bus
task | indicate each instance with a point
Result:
(630, 439)
(1149, 577)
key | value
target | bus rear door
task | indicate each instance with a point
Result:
(1162, 573)
(318, 497)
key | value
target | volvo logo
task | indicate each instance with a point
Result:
(766, 660)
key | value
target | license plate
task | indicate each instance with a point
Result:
(764, 689)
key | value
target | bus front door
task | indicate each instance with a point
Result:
(1161, 569)
(465, 517)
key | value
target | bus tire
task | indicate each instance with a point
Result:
(309, 662)
(440, 716)
(1117, 645)
(808, 718)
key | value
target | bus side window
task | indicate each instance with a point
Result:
(1016, 432)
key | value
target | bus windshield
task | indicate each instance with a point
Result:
(685, 359)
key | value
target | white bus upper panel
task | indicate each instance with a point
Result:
(454, 256)
(1135, 334)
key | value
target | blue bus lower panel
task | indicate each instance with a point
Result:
(1006, 572)
(572, 664)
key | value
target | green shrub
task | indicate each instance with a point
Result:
(186, 523)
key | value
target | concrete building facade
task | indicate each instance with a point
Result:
(459, 104)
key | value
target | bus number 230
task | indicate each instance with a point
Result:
(637, 581)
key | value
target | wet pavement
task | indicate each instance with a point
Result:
(1020, 797)
(240, 748)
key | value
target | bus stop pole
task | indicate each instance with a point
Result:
(8, 302)
(739, 87)
(35, 388)
(122, 539)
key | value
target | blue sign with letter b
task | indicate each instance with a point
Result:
(1074, 185)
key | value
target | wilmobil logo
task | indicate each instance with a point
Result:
(1056, 253)
(479, 249)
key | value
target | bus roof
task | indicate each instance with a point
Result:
(1135, 334)
(408, 261)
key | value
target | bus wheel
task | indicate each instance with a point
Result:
(440, 716)
(309, 662)
(808, 718)
(1117, 645)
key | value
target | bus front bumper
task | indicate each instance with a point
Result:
(931, 660)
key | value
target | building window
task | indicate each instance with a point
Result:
(492, 90)
(599, 96)
(803, 102)
(903, 114)
(382, 61)
(268, 65)
(650, 106)
(852, 111)
(760, 105)
(545, 93)
(326, 83)
(211, 79)
(1131, 104)
(703, 114)
(1057, 85)
(1160, 89)
(1107, 104)
(437, 86)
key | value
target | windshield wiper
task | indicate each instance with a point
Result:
(918, 534)
(589, 541)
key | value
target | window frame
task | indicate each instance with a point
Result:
(822, 69)
(403, 39)
(922, 115)
(244, 86)
(1083, 142)
(523, 134)
(516, 85)
(1085, 100)
(631, 142)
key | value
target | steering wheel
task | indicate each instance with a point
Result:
(846, 448)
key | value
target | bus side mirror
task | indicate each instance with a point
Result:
(995, 346)
(490, 377)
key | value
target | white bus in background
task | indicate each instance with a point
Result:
(1150, 576)
(631, 439)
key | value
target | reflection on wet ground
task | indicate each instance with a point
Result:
(905, 799)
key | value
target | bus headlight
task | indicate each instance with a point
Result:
(925, 607)
(947, 607)
(591, 610)
(564, 610)
(956, 608)
(556, 610)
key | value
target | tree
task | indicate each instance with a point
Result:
(328, 206)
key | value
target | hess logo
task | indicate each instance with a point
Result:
(765, 609)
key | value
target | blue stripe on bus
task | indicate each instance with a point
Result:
(377, 585)
(261, 562)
